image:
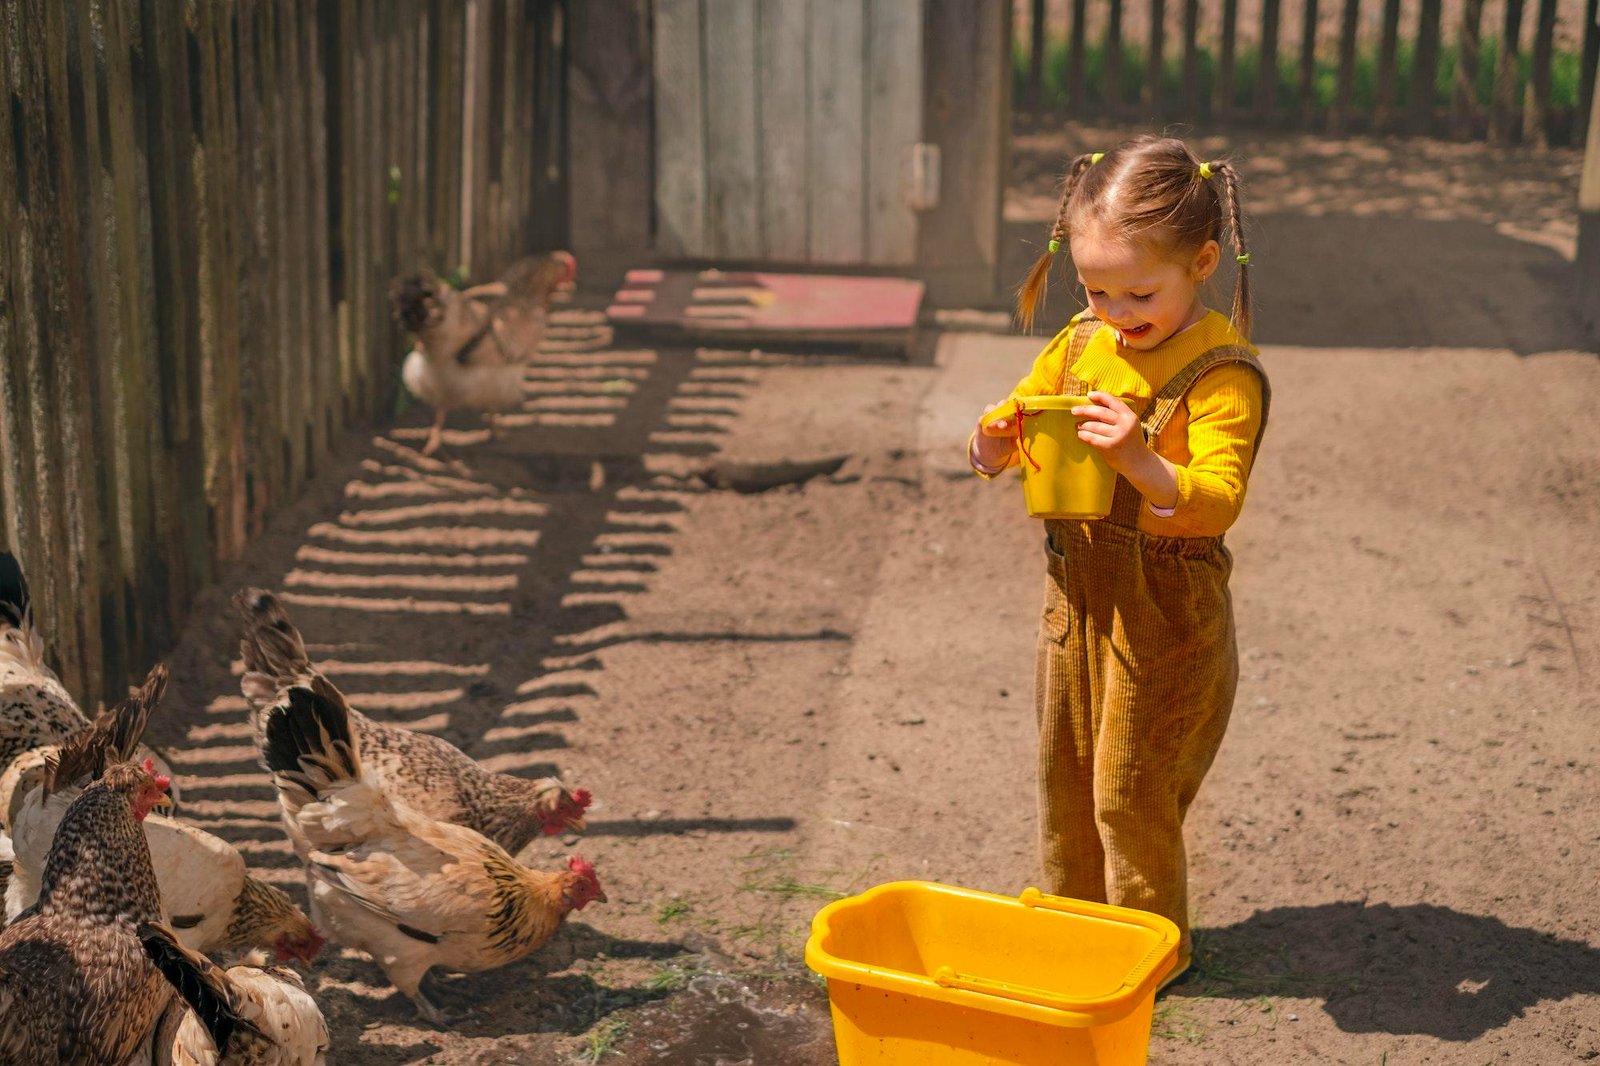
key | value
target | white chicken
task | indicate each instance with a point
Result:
(472, 344)
(35, 708)
(212, 899)
(247, 1015)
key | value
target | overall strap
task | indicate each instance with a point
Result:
(1083, 331)
(1166, 400)
(1126, 500)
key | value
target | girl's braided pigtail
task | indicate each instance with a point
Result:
(1235, 219)
(1032, 293)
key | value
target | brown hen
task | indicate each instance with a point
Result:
(412, 892)
(75, 984)
(427, 773)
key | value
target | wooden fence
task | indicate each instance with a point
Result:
(1505, 70)
(201, 204)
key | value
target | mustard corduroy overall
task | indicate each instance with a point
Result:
(1136, 671)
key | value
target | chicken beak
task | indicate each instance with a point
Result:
(164, 805)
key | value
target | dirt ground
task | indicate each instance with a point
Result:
(757, 605)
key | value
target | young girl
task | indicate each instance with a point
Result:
(1136, 659)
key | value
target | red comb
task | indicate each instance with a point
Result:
(578, 865)
(582, 798)
(162, 780)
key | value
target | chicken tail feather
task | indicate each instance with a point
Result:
(271, 644)
(111, 738)
(306, 738)
(202, 984)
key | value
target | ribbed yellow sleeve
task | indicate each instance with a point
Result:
(1212, 459)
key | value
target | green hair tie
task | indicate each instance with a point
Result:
(1244, 260)
(1055, 246)
(1096, 158)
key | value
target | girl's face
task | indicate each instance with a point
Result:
(1144, 296)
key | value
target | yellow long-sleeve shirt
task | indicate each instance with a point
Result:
(1211, 437)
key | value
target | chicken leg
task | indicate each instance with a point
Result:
(407, 978)
(435, 435)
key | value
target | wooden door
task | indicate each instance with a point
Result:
(786, 130)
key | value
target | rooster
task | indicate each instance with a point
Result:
(412, 892)
(75, 984)
(203, 882)
(427, 773)
(35, 708)
(247, 1015)
(473, 343)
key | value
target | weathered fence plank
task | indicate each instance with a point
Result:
(1076, 49)
(1586, 76)
(893, 124)
(784, 147)
(838, 130)
(1502, 114)
(1305, 87)
(1155, 58)
(1191, 57)
(1536, 107)
(1388, 66)
(1464, 110)
(1349, 26)
(1222, 100)
(1114, 58)
(194, 240)
(733, 193)
(1267, 71)
(1425, 68)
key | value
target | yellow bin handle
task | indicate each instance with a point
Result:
(947, 977)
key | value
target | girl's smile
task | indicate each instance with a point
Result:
(1145, 297)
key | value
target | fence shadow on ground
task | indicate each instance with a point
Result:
(1404, 970)
(470, 594)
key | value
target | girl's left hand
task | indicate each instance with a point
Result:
(1111, 428)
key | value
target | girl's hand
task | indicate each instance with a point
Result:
(1111, 428)
(997, 420)
(997, 434)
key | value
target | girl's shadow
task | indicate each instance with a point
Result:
(1416, 969)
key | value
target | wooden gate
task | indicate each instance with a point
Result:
(786, 131)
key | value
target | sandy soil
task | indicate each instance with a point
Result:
(754, 602)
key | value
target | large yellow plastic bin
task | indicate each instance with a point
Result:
(924, 974)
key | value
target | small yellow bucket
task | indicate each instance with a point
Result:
(1062, 477)
(924, 974)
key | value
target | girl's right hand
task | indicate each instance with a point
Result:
(991, 426)
(995, 440)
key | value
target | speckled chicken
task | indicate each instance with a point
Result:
(247, 1015)
(412, 892)
(212, 899)
(35, 708)
(427, 773)
(473, 343)
(75, 984)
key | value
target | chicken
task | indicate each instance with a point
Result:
(473, 343)
(427, 773)
(412, 892)
(75, 984)
(35, 708)
(247, 1015)
(204, 885)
